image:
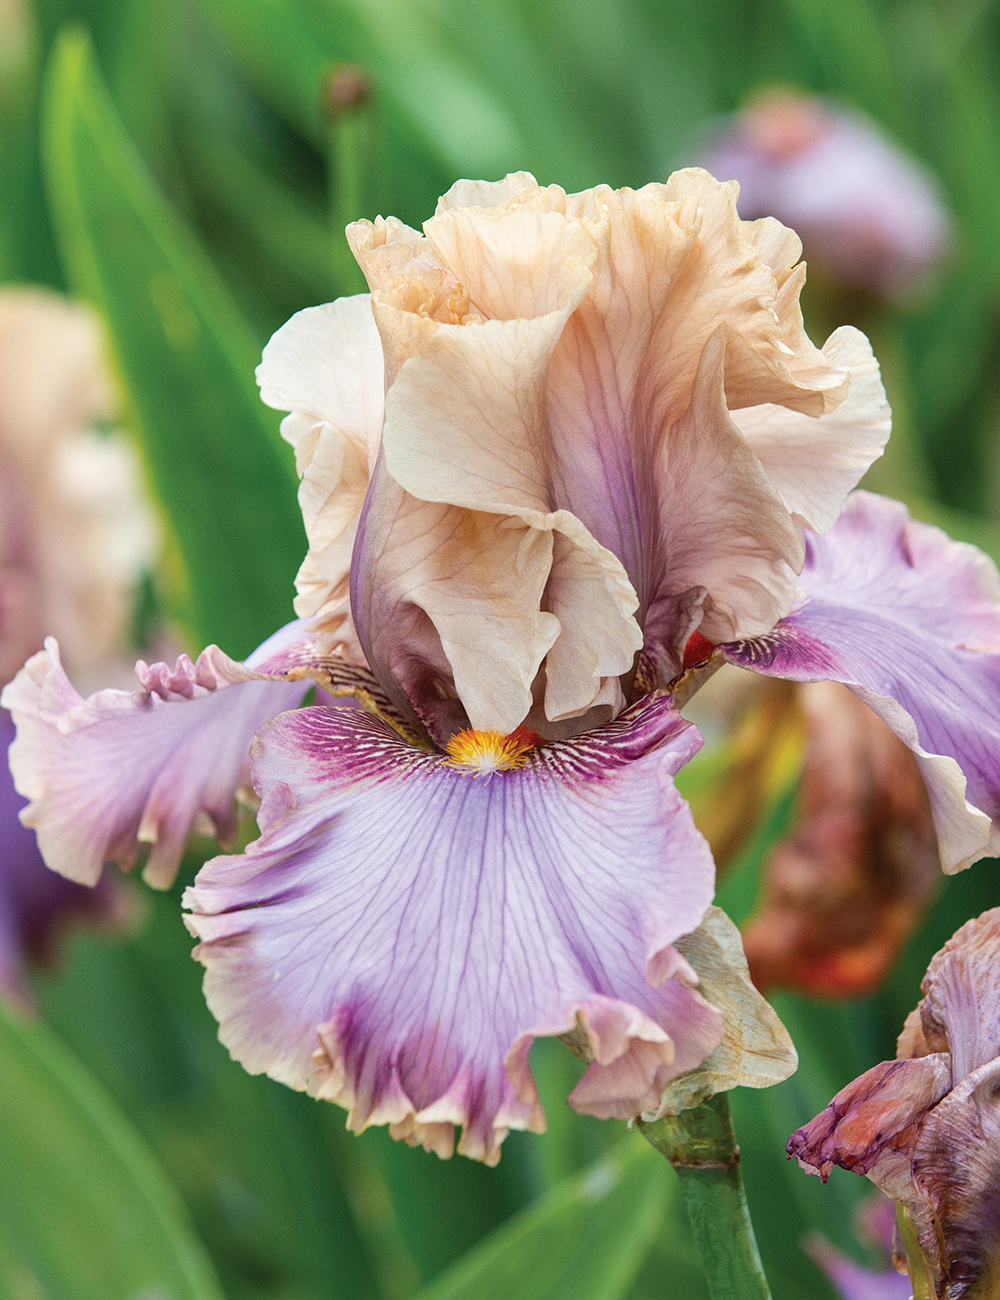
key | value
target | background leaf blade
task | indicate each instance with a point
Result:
(213, 451)
(87, 1213)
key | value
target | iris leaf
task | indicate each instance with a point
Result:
(584, 1240)
(263, 1169)
(186, 356)
(85, 1211)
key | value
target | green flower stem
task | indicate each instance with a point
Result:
(701, 1146)
(350, 151)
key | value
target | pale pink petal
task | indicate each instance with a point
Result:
(402, 928)
(910, 621)
(105, 774)
(37, 907)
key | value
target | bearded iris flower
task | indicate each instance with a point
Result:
(571, 452)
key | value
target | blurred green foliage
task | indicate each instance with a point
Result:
(180, 165)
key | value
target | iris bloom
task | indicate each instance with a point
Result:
(76, 533)
(568, 445)
(925, 1127)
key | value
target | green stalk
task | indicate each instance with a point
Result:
(350, 149)
(701, 1146)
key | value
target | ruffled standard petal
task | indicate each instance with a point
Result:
(815, 461)
(447, 602)
(402, 929)
(465, 427)
(122, 768)
(325, 367)
(727, 545)
(910, 621)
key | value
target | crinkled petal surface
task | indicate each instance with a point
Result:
(402, 929)
(125, 767)
(910, 621)
(814, 461)
(926, 1128)
(878, 1113)
(756, 1051)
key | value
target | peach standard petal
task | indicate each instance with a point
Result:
(567, 363)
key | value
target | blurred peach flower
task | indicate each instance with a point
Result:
(76, 535)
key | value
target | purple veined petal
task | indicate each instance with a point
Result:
(402, 929)
(910, 621)
(122, 768)
(35, 904)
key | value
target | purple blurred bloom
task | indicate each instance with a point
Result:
(852, 1281)
(870, 215)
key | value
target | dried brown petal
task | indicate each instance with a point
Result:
(847, 888)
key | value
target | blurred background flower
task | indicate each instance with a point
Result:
(871, 216)
(77, 535)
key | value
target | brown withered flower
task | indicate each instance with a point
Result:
(844, 891)
(925, 1128)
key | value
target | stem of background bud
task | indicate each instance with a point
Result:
(701, 1146)
(350, 140)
